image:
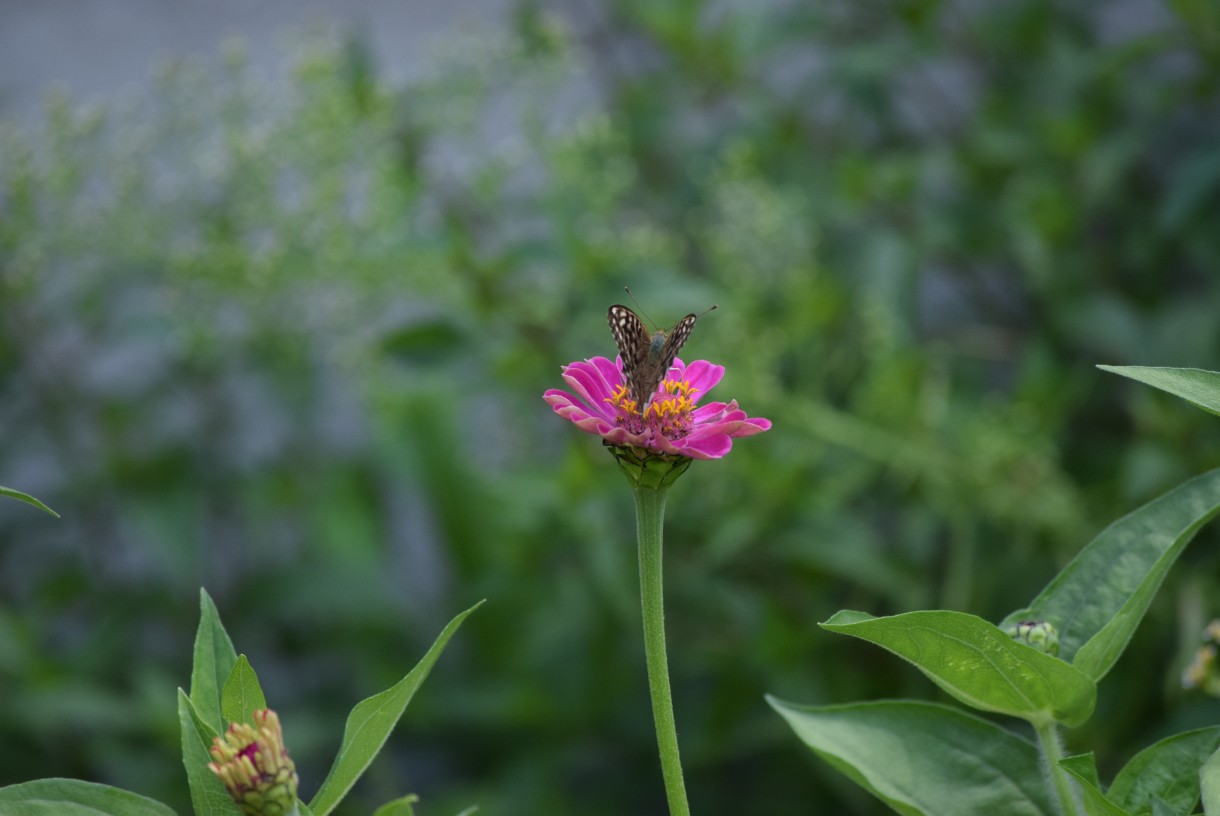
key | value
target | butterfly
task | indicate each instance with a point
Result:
(646, 355)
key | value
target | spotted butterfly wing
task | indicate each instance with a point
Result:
(633, 341)
(646, 355)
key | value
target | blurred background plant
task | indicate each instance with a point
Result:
(289, 341)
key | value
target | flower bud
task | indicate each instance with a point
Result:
(254, 766)
(1039, 634)
(1203, 671)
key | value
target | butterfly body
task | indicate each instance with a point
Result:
(647, 355)
(656, 349)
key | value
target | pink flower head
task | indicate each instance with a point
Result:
(672, 423)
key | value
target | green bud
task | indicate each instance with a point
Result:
(1041, 635)
(1203, 671)
(1212, 631)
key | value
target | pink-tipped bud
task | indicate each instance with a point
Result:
(254, 766)
(1204, 670)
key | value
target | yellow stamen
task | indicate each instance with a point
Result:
(669, 412)
(681, 387)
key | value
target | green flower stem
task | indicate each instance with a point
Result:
(649, 523)
(1052, 751)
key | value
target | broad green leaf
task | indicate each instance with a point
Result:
(925, 759)
(72, 797)
(1168, 770)
(208, 794)
(370, 723)
(1098, 600)
(27, 498)
(1084, 768)
(1197, 386)
(978, 664)
(1209, 784)
(242, 695)
(214, 661)
(399, 807)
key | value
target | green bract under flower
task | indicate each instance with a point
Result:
(643, 468)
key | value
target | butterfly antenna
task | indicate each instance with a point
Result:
(708, 309)
(640, 308)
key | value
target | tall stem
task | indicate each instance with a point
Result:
(1052, 752)
(649, 523)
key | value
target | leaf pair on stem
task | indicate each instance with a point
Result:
(935, 760)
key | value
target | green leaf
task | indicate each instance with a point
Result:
(242, 695)
(399, 807)
(1098, 600)
(208, 794)
(1197, 386)
(925, 759)
(1084, 768)
(72, 797)
(978, 664)
(214, 662)
(370, 723)
(1168, 770)
(27, 498)
(1209, 784)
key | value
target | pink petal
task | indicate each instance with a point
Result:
(612, 372)
(703, 376)
(712, 412)
(618, 435)
(711, 447)
(594, 380)
(593, 425)
(588, 383)
(554, 396)
(567, 407)
(753, 426)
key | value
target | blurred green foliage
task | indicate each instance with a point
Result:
(288, 342)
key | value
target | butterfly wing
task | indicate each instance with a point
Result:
(677, 336)
(633, 341)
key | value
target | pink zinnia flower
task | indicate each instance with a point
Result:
(672, 422)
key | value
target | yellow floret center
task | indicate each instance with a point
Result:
(668, 412)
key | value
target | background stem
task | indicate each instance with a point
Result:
(649, 521)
